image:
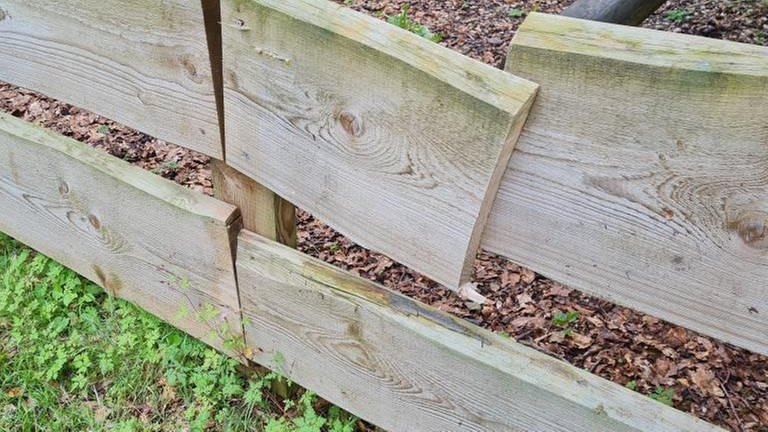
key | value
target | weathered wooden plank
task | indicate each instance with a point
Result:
(642, 173)
(139, 236)
(143, 63)
(408, 367)
(391, 139)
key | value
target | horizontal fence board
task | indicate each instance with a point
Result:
(141, 237)
(395, 141)
(143, 63)
(405, 366)
(642, 173)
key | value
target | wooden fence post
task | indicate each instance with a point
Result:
(263, 211)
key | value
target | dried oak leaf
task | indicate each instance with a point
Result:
(705, 380)
(581, 341)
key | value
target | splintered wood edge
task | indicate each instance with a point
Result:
(639, 45)
(495, 87)
(555, 378)
(165, 190)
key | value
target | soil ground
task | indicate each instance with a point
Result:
(698, 374)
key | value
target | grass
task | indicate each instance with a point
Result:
(74, 358)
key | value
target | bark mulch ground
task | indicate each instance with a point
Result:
(710, 379)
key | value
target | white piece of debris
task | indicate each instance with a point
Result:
(468, 291)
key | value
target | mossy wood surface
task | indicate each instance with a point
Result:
(143, 63)
(141, 237)
(408, 367)
(642, 173)
(393, 140)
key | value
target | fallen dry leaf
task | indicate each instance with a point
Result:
(580, 340)
(14, 392)
(468, 291)
(706, 381)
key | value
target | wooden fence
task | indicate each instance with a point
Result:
(636, 171)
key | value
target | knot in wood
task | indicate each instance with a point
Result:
(752, 227)
(350, 123)
(230, 79)
(95, 222)
(63, 188)
(191, 69)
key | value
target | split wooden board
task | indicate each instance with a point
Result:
(407, 367)
(144, 63)
(141, 237)
(642, 173)
(393, 140)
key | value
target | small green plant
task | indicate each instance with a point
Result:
(676, 15)
(632, 385)
(663, 395)
(516, 13)
(761, 37)
(103, 129)
(564, 319)
(166, 167)
(404, 21)
(334, 247)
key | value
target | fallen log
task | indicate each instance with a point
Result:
(629, 12)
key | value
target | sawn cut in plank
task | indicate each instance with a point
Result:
(393, 140)
(642, 173)
(143, 63)
(141, 237)
(408, 367)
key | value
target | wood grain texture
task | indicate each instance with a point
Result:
(263, 211)
(141, 237)
(143, 63)
(391, 139)
(642, 173)
(407, 367)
